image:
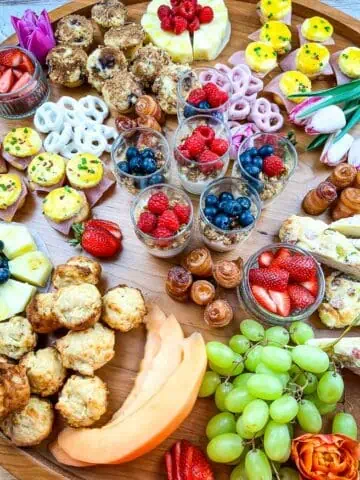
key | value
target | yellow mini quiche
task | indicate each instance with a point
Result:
(276, 34)
(46, 170)
(22, 142)
(293, 82)
(317, 29)
(260, 57)
(349, 62)
(312, 59)
(10, 189)
(84, 170)
(274, 9)
(65, 203)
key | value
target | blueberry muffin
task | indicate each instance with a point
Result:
(165, 86)
(147, 63)
(75, 31)
(128, 38)
(109, 13)
(122, 91)
(103, 63)
(67, 65)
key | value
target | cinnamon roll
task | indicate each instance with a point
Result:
(148, 122)
(357, 181)
(178, 283)
(348, 204)
(343, 176)
(148, 106)
(318, 199)
(218, 314)
(228, 274)
(202, 292)
(199, 262)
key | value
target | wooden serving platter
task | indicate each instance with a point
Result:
(137, 268)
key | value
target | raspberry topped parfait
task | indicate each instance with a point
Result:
(201, 151)
(162, 217)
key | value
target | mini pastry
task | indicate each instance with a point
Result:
(124, 308)
(40, 313)
(121, 92)
(147, 106)
(319, 199)
(16, 337)
(46, 172)
(14, 388)
(109, 13)
(75, 31)
(13, 192)
(312, 59)
(128, 39)
(228, 274)
(178, 283)
(123, 123)
(19, 147)
(347, 205)
(346, 64)
(343, 176)
(316, 29)
(148, 62)
(275, 10)
(202, 292)
(286, 84)
(357, 180)
(165, 86)
(218, 314)
(276, 34)
(199, 262)
(148, 122)
(102, 64)
(67, 65)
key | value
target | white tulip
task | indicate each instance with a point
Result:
(354, 153)
(335, 153)
(327, 120)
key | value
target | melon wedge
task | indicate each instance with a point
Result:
(145, 429)
(64, 458)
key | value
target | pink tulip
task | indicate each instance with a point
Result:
(327, 120)
(300, 108)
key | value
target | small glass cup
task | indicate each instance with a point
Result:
(141, 137)
(226, 240)
(163, 247)
(268, 187)
(196, 78)
(24, 102)
(250, 304)
(193, 175)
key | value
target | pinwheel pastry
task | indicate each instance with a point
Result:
(348, 204)
(202, 292)
(178, 283)
(228, 274)
(199, 262)
(218, 314)
(343, 176)
(318, 199)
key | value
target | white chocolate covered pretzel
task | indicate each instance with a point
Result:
(49, 118)
(55, 141)
(266, 115)
(94, 108)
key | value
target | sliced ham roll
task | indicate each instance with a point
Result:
(65, 226)
(341, 78)
(8, 214)
(20, 163)
(34, 187)
(3, 166)
(95, 193)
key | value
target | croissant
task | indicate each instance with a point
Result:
(318, 199)
(148, 106)
(147, 121)
(202, 292)
(228, 274)
(348, 204)
(178, 283)
(124, 123)
(343, 176)
(199, 262)
(357, 180)
(218, 314)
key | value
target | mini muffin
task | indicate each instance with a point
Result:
(124, 308)
(121, 92)
(31, 425)
(109, 13)
(45, 371)
(103, 63)
(75, 271)
(78, 307)
(67, 65)
(165, 86)
(14, 388)
(88, 350)
(148, 62)
(16, 337)
(83, 400)
(128, 38)
(40, 313)
(75, 31)
(46, 172)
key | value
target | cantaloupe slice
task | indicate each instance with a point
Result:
(145, 429)
(64, 458)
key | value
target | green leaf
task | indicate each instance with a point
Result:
(330, 91)
(317, 142)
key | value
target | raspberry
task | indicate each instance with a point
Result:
(212, 94)
(219, 146)
(175, 3)
(207, 161)
(182, 212)
(206, 15)
(198, 10)
(273, 166)
(206, 132)
(195, 144)
(161, 232)
(164, 12)
(169, 221)
(196, 96)
(218, 99)
(194, 25)
(180, 25)
(158, 203)
(187, 10)
(167, 24)
(147, 222)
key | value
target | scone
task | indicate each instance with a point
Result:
(78, 307)
(121, 92)
(31, 425)
(165, 86)
(16, 337)
(102, 64)
(128, 38)
(88, 350)
(109, 13)
(75, 31)
(83, 400)
(77, 270)
(45, 371)
(148, 62)
(40, 313)
(14, 388)
(123, 308)
(67, 65)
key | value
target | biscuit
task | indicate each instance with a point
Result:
(40, 313)
(14, 388)
(123, 308)
(77, 270)
(16, 337)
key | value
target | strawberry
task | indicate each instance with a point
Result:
(263, 298)
(26, 65)
(195, 144)
(17, 73)
(208, 163)
(167, 24)
(147, 222)
(169, 466)
(97, 241)
(300, 267)
(219, 146)
(300, 297)
(273, 166)
(6, 81)
(265, 259)
(312, 285)
(196, 96)
(206, 132)
(187, 10)
(281, 257)
(23, 80)
(186, 460)
(169, 220)
(2, 69)
(164, 11)
(182, 212)
(282, 302)
(269, 278)
(201, 469)
(158, 203)
(206, 15)
(194, 25)
(110, 226)
(180, 25)
(11, 58)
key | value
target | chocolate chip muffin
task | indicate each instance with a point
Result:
(122, 91)
(75, 31)
(103, 63)
(67, 65)
(147, 63)
(128, 38)
(109, 13)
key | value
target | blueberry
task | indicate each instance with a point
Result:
(147, 153)
(123, 167)
(246, 218)
(244, 202)
(252, 151)
(132, 152)
(235, 209)
(189, 111)
(245, 159)
(211, 201)
(253, 171)
(148, 165)
(259, 186)
(223, 205)
(4, 263)
(226, 196)
(4, 275)
(218, 115)
(266, 150)
(257, 162)
(156, 179)
(2, 245)
(135, 165)
(204, 105)
(222, 221)
(210, 213)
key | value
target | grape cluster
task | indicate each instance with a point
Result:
(264, 382)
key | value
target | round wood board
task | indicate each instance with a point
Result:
(137, 268)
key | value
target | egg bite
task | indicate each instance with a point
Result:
(286, 84)
(346, 65)
(13, 192)
(46, 171)
(316, 29)
(275, 10)
(19, 147)
(311, 59)
(260, 57)
(276, 34)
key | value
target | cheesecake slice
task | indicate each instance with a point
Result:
(350, 227)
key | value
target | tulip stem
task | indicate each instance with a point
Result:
(345, 332)
(355, 118)
(275, 470)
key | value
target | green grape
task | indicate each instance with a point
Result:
(284, 409)
(301, 332)
(309, 358)
(283, 377)
(239, 472)
(294, 370)
(255, 416)
(239, 343)
(266, 387)
(345, 424)
(277, 336)
(221, 393)
(277, 442)
(209, 384)
(241, 458)
(331, 387)
(225, 448)
(287, 473)
(276, 358)
(308, 379)
(237, 399)
(221, 423)
(324, 408)
(252, 330)
(291, 429)
(257, 465)
(309, 417)
(241, 380)
(236, 368)
(219, 354)
(253, 358)
(244, 433)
